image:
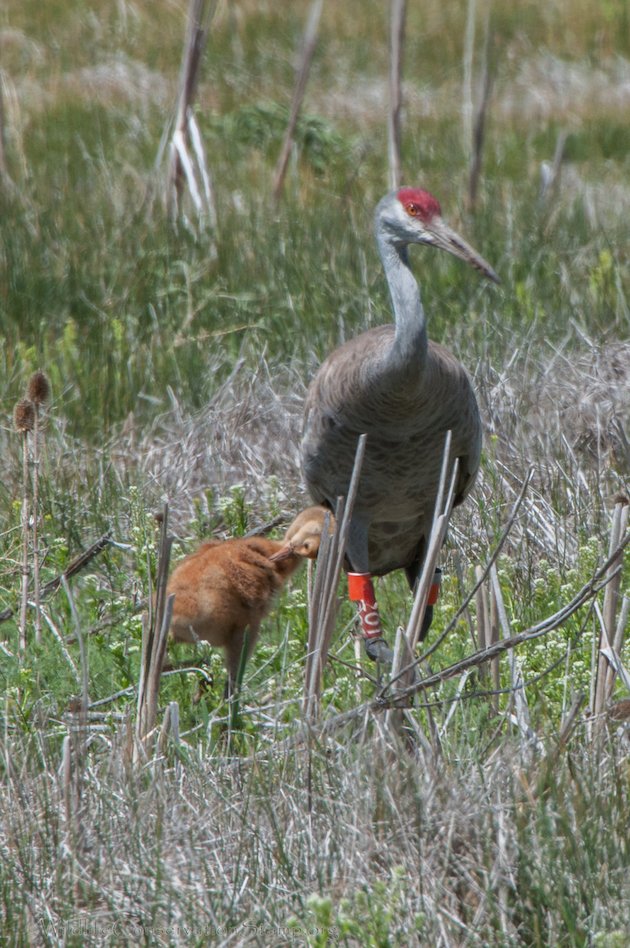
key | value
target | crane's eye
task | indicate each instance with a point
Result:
(412, 209)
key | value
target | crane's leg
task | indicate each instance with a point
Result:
(413, 575)
(434, 593)
(361, 591)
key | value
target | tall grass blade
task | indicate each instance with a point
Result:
(605, 673)
(397, 17)
(155, 628)
(323, 607)
(309, 44)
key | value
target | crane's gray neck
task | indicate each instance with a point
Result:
(407, 355)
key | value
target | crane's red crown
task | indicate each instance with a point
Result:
(419, 203)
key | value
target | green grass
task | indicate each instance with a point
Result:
(178, 374)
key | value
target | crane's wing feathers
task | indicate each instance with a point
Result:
(406, 431)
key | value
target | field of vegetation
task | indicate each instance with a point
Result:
(178, 351)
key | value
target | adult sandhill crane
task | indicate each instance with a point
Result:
(225, 588)
(405, 392)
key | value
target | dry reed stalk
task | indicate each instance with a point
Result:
(23, 421)
(615, 662)
(483, 618)
(443, 509)
(36, 559)
(187, 163)
(398, 14)
(597, 582)
(358, 658)
(453, 708)
(480, 581)
(403, 674)
(323, 591)
(68, 775)
(518, 697)
(62, 645)
(593, 679)
(467, 72)
(550, 171)
(323, 604)
(38, 393)
(77, 564)
(486, 570)
(74, 764)
(4, 174)
(570, 720)
(154, 635)
(479, 124)
(479, 585)
(6, 181)
(74, 750)
(605, 673)
(169, 732)
(403, 666)
(309, 42)
(153, 649)
(495, 671)
(382, 701)
(85, 677)
(620, 632)
(615, 628)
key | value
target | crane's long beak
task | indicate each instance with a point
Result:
(445, 238)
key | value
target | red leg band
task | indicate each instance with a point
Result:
(361, 591)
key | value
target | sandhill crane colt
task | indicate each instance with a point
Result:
(405, 392)
(226, 588)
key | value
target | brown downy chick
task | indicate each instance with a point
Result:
(226, 588)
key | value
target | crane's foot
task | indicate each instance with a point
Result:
(378, 650)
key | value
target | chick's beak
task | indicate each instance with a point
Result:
(445, 238)
(282, 554)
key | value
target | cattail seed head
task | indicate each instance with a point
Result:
(38, 388)
(24, 415)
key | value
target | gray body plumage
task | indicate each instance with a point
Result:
(405, 393)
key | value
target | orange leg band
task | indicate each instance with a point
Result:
(361, 591)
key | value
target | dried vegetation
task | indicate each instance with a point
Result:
(497, 811)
